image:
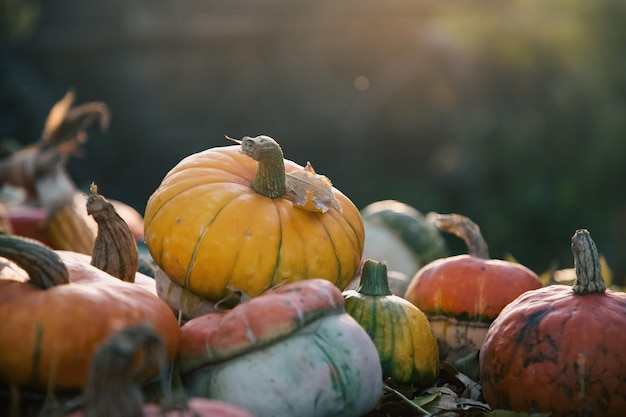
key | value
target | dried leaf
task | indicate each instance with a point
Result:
(57, 115)
(310, 191)
(467, 370)
(66, 122)
(448, 403)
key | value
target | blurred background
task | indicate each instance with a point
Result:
(511, 113)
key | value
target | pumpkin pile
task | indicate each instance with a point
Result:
(267, 292)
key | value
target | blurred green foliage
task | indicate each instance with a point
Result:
(511, 113)
(17, 18)
(531, 141)
(549, 154)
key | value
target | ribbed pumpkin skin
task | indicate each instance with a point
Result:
(402, 335)
(207, 229)
(553, 351)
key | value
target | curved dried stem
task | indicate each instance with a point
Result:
(464, 228)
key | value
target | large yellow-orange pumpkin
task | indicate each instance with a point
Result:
(221, 219)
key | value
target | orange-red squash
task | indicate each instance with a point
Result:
(53, 321)
(113, 386)
(560, 349)
(463, 294)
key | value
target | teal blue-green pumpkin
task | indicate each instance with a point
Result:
(401, 332)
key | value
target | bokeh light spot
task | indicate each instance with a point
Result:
(362, 83)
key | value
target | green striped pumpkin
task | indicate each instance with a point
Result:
(405, 342)
(400, 235)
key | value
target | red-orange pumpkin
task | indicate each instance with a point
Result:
(52, 323)
(560, 349)
(462, 294)
(114, 389)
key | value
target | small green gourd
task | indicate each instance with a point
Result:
(401, 332)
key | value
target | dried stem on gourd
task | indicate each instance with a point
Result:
(374, 280)
(113, 385)
(39, 169)
(115, 249)
(464, 228)
(44, 267)
(589, 278)
(270, 176)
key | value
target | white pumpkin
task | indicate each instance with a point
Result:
(401, 236)
(293, 351)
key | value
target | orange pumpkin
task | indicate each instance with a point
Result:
(560, 349)
(463, 294)
(225, 219)
(113, 389)
(56, 316)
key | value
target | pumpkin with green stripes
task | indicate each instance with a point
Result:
(401, 236)
(406, 344)
(242, 217)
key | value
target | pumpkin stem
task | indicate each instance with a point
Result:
(113, 384)
(462, 227)
(43, 266)
(374, 280)
(270, 177)
(115, 249)
(589, 278)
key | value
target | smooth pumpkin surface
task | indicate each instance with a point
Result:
(195, 407)
(58, 328)
(328, 368)
(560, 349)
(469, 288)
(215, 337)
(198, 407)
(292, 351)
(208, 229)
(462, 294)
(83, 272)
